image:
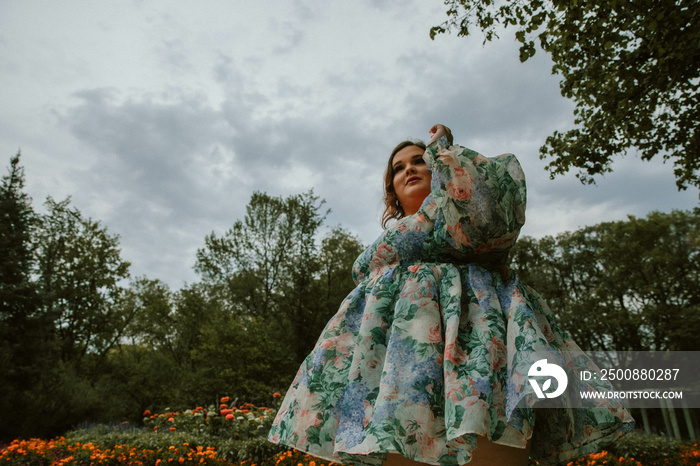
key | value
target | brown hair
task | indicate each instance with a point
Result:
(392, 207)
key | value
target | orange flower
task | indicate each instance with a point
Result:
(147, 413)
(172, 429)
(246, 411)
(276, 395)
(223, 406)
(171, 419)
(229, 417)
(225, 399)
(225, 412)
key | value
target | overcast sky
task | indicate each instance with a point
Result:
(161, 118)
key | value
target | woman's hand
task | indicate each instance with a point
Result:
(439, 131)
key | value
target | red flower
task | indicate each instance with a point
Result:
(245, 411)
(229, 416)
(172, 429)
(224, 412)
(276, 395)
(225, 399)
(147, 413)
(223, 406)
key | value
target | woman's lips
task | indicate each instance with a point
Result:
(412, 179)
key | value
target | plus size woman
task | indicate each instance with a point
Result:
(427, 359)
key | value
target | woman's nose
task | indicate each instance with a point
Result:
(411, 169)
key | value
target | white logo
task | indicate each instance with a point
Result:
(543, 369)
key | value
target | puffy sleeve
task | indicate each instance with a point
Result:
(478, 202)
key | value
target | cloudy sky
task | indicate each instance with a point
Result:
(161, 118)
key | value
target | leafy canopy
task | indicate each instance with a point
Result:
(621, 286)
(631, 67)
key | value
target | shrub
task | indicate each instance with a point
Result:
(650, 450)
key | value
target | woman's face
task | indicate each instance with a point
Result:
(411, 178)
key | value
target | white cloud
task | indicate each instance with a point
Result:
(161, 119)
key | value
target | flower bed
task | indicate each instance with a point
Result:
(62, 451)
(237, 435)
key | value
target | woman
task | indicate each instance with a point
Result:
(427, 359)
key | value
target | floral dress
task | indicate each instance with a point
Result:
(433, 346)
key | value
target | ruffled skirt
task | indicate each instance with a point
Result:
(421, 359)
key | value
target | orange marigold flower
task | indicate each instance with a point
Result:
(276, 395)
(172, 429)
(245, 411)
(147, 413)
(171, 419)
(229, 417)
(223, 406)
(225, 399)
(224, 412)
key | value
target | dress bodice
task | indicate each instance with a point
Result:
(474, 214)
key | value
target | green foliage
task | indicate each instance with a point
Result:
(630, 67)
(627, 286)
(26, 336)
(237, 434)
(241, 358)
(79, 269)
(268, 270)
(648, 449)
(78, 345)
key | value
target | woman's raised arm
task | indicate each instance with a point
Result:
(480, 200)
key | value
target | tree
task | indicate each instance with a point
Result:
(255, 259)
(265, 265)
(626, 286)
(17, 221)
(629, 65)
(79, 269)
(339, 250)
(25, 336)
(269, 277)
(151, 363)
